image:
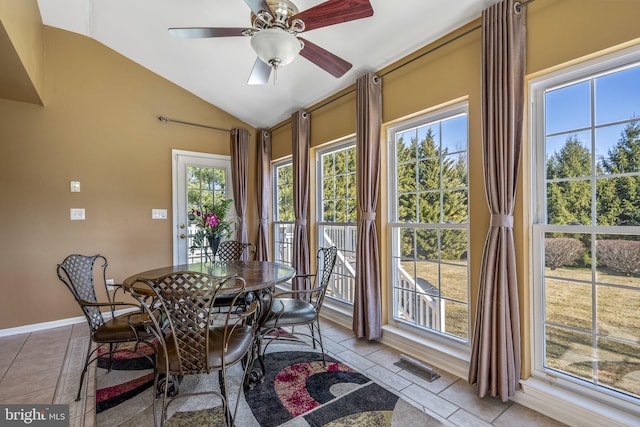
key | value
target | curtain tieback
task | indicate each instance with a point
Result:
(264, 221)
(301, 222)
(368, 216)
(498, 220)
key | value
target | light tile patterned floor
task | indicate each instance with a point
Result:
(44, 367)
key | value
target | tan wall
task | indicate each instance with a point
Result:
(99, 126)
(21, 52)
(559, 32)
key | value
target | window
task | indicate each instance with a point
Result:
(283, 215)
(586, 229)
(337, 212)
(429, 223)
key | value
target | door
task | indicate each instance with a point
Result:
(198, 179)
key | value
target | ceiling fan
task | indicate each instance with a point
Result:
(275, 25)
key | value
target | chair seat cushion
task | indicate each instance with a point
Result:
(119, 329)
(239, 343)
(290, 311)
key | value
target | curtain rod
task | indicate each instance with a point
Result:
(167, 120)
(517, 7)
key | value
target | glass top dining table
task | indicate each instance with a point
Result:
(257, 274)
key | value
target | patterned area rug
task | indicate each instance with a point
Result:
(298, 391)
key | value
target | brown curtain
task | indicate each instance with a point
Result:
(239, 173)
(300, 142)
(495, 360)
(367, 310)
(264, 194)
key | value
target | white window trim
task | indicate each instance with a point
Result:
(567, 399)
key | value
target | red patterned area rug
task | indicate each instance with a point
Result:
(298, 390)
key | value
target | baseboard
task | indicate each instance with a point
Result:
(35, 327)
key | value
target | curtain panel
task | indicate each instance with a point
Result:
(239, 174)
(496, 358)
(264, 194)
(300, 146)
(367, 309)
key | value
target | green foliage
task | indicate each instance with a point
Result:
(285, 193)
(617, 192)
(432, 189)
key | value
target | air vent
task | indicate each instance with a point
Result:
(417, 368)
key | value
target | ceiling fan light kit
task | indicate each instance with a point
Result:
(275, 46)
(275, 25)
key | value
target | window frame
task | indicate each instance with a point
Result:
(586, 71)
(344, 306)
(456, 344)
(275, 219)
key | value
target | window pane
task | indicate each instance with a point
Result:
(618, 365)
(427, 245)
(568, 303)
(454, 135)
(429, 205)
(569, 351)
(429, 174)
(569, 202)
(568, 155)
(453, 282)
(457, 319)
(407, 205)
(618, 96)
(455, 207)
(568, 108)
(405, 146)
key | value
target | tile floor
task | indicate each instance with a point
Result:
(44, 367)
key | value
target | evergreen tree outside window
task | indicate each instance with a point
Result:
(429, 222)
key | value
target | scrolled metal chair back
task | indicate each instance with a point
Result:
(77, 273)
(186, 298)
(232, 250)
(326, 262)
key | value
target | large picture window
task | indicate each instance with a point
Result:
(429, 223)
(587, 226)
(283, 214)
(337, 212)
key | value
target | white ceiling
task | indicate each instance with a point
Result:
(217, 69)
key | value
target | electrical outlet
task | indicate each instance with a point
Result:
(110, 284)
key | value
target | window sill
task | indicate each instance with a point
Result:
(570, 407)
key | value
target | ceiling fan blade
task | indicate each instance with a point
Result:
(260, 73)
(334, 12)
(324, 59)
(258, 5)
(205, 32)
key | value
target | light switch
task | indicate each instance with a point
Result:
(158, 214)
(75, 186)
(77, 214)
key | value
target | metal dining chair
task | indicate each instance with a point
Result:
(300, 307)
(195, 339)
(79, 274)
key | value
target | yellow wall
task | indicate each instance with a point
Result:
(559, 32)
(99, 126)
(21, 53)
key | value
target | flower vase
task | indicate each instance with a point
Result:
(214, 242)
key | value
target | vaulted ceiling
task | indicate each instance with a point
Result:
(217, 69)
